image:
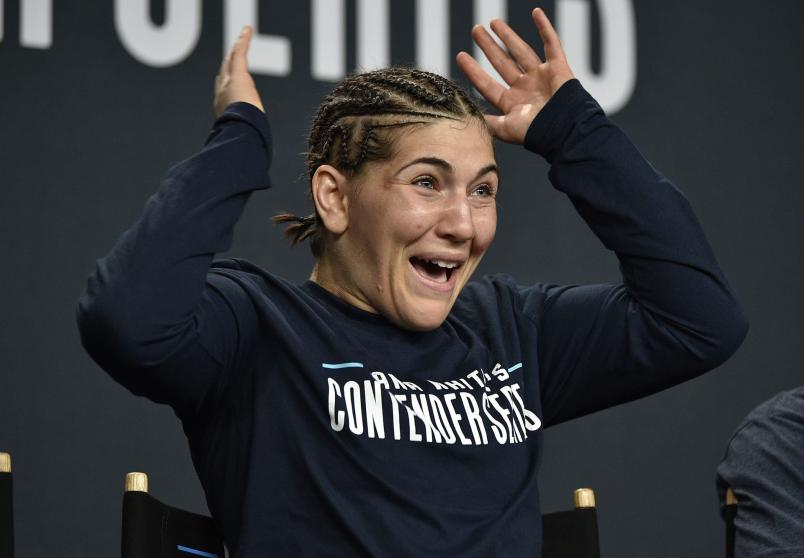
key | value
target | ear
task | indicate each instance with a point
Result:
(330, 195)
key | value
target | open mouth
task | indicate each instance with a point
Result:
(439, 271)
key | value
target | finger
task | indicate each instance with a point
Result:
(499, 59)
(226, 63)
(489, 87)
(519, 50)
(552, 44)
(240, 51)
(495, 124)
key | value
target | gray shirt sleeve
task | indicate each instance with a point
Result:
(764, 465)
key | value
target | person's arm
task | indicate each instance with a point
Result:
(764, 466)
(151, 315)
(674, 316)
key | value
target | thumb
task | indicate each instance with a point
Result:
(496, 124)
(508, 128)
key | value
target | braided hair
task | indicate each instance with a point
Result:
(360, 119)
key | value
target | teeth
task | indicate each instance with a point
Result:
(442, 263)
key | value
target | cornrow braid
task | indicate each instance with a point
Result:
(415, 90)
(300, 228)
(360, 121)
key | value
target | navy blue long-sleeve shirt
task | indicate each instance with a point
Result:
(319, 429)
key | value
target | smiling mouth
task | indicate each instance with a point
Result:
(435, 270)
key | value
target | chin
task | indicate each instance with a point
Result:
(424, 319)
(423, 326)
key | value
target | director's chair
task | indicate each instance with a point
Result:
(572, 533)
(151, 528)
(6, 508)
(729, 515)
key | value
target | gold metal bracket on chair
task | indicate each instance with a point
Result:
(584, 498)
(731, 497)
(136, 482)
(5, 462)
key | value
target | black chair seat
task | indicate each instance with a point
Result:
(6, 508)
(152, 528)
(573, 533)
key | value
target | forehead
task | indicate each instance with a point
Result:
(465, 144)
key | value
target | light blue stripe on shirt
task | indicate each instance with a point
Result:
(196, 551)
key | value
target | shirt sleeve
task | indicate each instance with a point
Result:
(673, 317)
(151, 314)
(764, 465)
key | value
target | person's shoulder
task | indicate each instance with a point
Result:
(249, 276)
(790, 400)
(781, 416)
(786, 405)
(502, 288)
(496, 293)
(488, 288)
(239, 267)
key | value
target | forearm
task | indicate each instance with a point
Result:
(675, 315)
(141, 301)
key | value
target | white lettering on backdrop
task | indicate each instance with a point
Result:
(373, 34)
(268, 54)
(163, 45)
(432, 24)
(485, 11)
(615, 83)
(36, 23)
(328, 39)
(174, 40)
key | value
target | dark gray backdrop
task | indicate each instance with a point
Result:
(87, 131)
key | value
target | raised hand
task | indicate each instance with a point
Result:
(530, 81)
(233, 82)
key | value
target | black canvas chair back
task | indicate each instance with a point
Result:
(729, 516)
(151, 528)
(573, 533)
(6, 508)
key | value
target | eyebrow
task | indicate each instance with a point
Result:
(445, 165)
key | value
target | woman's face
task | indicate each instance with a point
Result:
(418, 224)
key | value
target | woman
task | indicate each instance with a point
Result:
(387, 406)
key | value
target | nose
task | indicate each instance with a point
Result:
(457, 222)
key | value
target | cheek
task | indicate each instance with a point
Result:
(409, 221)
(485, 228)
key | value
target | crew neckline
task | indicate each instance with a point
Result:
(362, 316)
(345, 307)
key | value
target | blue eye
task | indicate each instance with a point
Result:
(484, 191)
(425, 182)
